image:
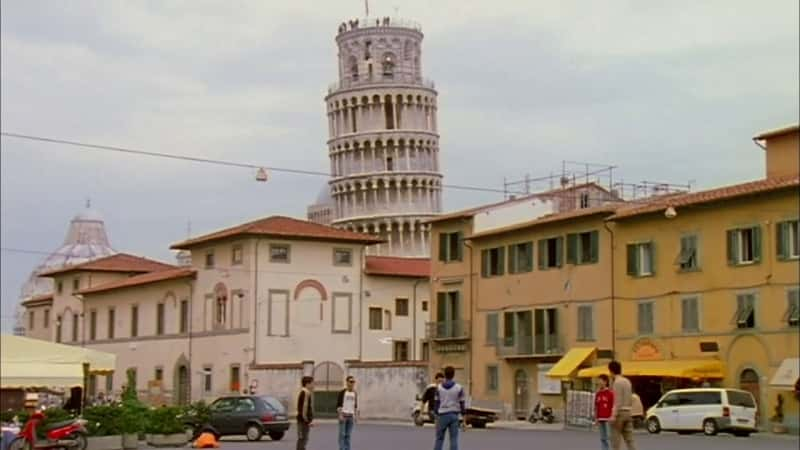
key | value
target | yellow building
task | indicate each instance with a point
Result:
(706, 287)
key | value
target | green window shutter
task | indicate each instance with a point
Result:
(443, 246)
(512, 259)
(484, 263)
(572, 248)
(594, 239)
(757, 243)
(441, 306)
(501, 256)
(491, 328)
(529, 252)
(633, 265)
(460, 247)
(559, 250)
(456, 306)
(781, 240)
(542, 254)
(652, 252)
(733, 247)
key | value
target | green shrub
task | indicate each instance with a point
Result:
(130, 392)
(165, 420)
(198, 413)
(103, 420)
(133, 418)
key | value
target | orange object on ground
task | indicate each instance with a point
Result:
(206, 440)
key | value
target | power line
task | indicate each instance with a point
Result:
(196, 159)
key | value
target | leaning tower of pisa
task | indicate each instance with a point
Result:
(384, 145)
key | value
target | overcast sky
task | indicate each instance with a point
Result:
(667, 91)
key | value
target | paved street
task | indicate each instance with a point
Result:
(375, 436)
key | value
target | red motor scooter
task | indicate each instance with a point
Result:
(66, 435)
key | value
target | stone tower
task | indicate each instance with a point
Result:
(384, 144)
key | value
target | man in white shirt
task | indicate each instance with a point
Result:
(347, 407)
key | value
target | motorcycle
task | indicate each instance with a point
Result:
(67, 435)
(420, 413)
(541, 413)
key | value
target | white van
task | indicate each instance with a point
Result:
(708, 410)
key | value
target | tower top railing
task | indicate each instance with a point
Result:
(378, 22)
(378, 79)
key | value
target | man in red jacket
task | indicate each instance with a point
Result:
(603, 405)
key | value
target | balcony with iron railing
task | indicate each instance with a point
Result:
(381, 79)
(448, 330)
(541, 345)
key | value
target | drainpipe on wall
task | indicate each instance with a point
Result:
(362, 264)
(472, 307)
(414, 322)
(613, 300)
(191, 320)
(256, 303)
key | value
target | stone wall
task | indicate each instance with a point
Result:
(387, 390)
(279, 381)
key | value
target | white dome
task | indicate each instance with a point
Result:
(324, 196)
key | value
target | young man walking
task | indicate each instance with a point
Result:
(305, 412)
(450, 407)
(429, 396)
(347, 407)
(622, 425)
(603, 406)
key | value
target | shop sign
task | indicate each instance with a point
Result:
(646, 350)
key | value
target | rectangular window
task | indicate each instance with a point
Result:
(134, 377)
(520, 257)
(210, 260)
(646, 319)
(401, 307)
(788, 240)
(342, 313)
(583, 248)
(425, 306)
(792, 316)
(492, 328)
(58, 329)
(400, 350)
(690, 315)
(448, 315)
(112, 322)
(492, 262)
(93, 325)
(745, 311)
(109, 384)
(207, 381)
(585, 323)
(47, 318)
(550, 253)
(159, 319)
(279, 253)
(31, 319)
(183, 326)
(159, 375)
(92, 385)
(492, 378)
(387, 320)
(76, 284)
(236, 378)
(688, 257)
(134, 321)
(450, 246)
(426, 351)
(641, 261)
(342, 257)
(60, 287)
(545, 330)
(278, 313)
(744, 246)
(376, 319)
(75, 325)
(237, 255)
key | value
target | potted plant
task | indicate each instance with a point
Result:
(133, 415)
(777, 420)
(103, 425)
(165, 428)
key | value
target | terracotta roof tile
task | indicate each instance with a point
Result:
(282, 227)
(708, 196)
(398, 267)
(39, 300)
(139, 280)
(120, 262)
(550, 218)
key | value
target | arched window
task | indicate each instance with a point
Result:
(388, 62)
(353, 65)
(220, 304)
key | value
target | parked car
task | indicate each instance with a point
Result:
(707, 410)
(251, 416)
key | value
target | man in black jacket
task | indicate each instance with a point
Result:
(347, 407)
(305, 412)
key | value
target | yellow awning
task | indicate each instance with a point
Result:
(566, 367)
(38, 363)
(676, 368)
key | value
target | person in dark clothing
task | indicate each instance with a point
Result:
(429, 396)
(305, 412)
(347, 407)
